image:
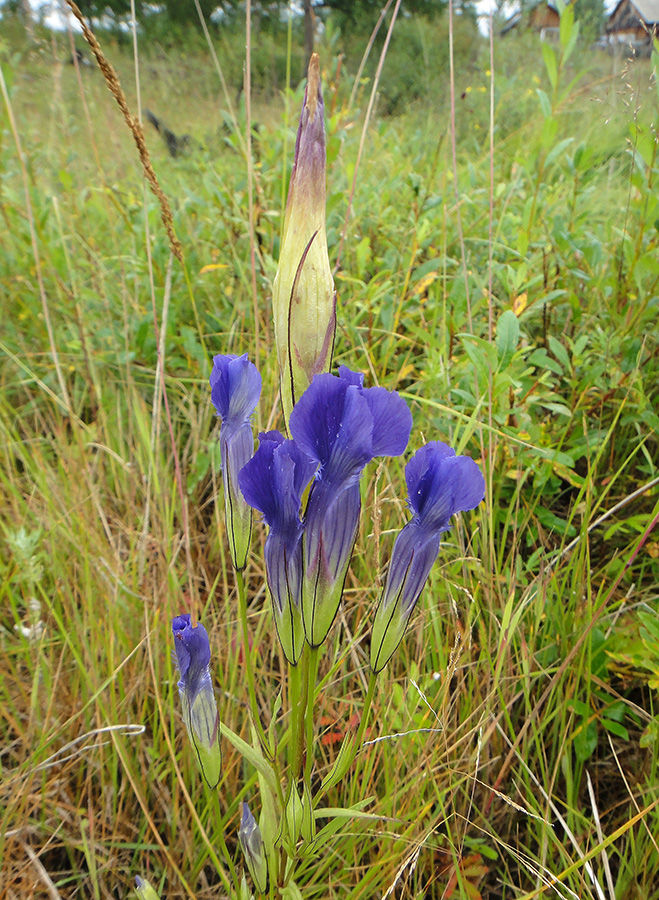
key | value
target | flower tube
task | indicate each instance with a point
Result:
(200, 713)
(303, 297)
(235, 391)
(439, 484)
(273, 482)
(342, 426)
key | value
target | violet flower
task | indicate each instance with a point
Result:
(342, 426)
(439, 484)
(200, 713)
(273, 482)
(235, 390)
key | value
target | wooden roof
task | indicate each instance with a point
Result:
(628, 13)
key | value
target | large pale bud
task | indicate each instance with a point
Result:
(303, 297)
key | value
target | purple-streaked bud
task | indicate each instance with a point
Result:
(202, 720)
(273, 482)
(235, 391)
(251, 841)
(439, 484)
(303, 297)
(342, 426)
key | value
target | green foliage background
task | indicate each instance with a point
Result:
(517, 315)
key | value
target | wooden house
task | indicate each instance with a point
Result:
(633, 22)
(543, 17)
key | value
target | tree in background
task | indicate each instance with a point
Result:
(180, 11)
(591, 15)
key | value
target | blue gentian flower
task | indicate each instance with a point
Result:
(202, 720)
(235, 390)
(251, 840)
(439, 484)
(273, 482)
(342, 426)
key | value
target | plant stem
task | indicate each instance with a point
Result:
(312, 673)
(254, 706)
(368, 701)
(297, 695)
(224, 848)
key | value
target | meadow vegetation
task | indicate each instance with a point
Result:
(512, 298)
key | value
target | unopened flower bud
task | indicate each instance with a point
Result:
(195, 687)
(235, 391)
(144, 890)
(303, 297)
(251, 841)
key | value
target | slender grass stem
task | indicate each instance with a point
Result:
(368, 702)
(251, 688)
(225, 850)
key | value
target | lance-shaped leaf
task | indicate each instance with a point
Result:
(200, 713)
(439, 484)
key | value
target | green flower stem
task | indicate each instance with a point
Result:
(297, 684)
(254, 706)
(253, 756)
(225, 849)
(368, 702)
(312, 674)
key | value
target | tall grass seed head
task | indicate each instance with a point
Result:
(251, 841)
(200, 714)
(303, 296)
(439, 484)
(235, 390)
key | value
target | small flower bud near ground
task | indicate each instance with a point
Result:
(200, 713)
(144, 890)
(251, 841)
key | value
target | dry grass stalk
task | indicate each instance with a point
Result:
(136, 129)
